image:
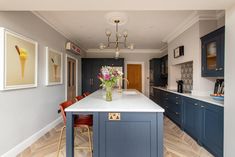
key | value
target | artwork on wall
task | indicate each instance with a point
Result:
(179, 51)
(54, 67)
(18, 64)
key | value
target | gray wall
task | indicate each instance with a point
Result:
(229, 106)
(131, 57)
(25, 112)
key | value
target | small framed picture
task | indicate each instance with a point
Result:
(54, 67)
(179, 51)
(18, 61)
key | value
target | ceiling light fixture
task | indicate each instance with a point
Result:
(117, 41)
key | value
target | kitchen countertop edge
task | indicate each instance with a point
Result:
(201, 98)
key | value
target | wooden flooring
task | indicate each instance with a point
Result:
(176, 144)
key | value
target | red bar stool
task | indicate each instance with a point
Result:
(86, 94)
(77, 98)
(85, 121)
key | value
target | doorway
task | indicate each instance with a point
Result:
(134, 76)
(71, 83)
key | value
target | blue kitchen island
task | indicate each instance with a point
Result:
(129, 126)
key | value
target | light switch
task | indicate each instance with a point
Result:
(114, 116)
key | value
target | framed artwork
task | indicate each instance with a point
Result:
(179, 51)
(18, 61)
(54, 67)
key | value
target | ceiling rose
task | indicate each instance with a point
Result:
(112, 16)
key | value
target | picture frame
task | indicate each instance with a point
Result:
(179, 51)
(18, 61)
(54, 67)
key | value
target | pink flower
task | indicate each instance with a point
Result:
(106, 77)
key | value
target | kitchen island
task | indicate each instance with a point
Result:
(129, 126)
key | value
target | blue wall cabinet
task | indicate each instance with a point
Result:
(191, 117)
(212, 128)
(213, 54)
(134, 135)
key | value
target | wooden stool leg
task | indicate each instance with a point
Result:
(89, 139)
(60, 139)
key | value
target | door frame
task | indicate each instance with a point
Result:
(142, 71)
(66, 76)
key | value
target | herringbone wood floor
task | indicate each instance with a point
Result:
(176, 144)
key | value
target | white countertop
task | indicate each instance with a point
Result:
(127, 101)
(207, 99)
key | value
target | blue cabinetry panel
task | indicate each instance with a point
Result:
(135, 135)
(191, 117)
(212, 128)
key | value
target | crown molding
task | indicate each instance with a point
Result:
(68, 37)
(195, 17)
(124, 51)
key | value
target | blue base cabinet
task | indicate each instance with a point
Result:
(191, 117)
(204, 122)
(212, 128)
(134, 135)
(172, 103)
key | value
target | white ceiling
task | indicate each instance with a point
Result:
(115, 4)
(146, 29)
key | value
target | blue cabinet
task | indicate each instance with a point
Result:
(212, 128)
(172, 103)
(134, 135)
(204, 122)
(191, 117)
(91, 69)
(213, 53)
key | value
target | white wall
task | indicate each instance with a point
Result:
(229, 107)
(131, 57)
(25, 112)
(190, 39)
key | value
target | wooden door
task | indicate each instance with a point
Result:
(71, 78)
(134, 76)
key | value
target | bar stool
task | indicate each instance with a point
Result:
(86, 94)
(85, 121)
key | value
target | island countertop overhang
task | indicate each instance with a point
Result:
(127, 101)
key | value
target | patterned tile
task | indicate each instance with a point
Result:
(187, 76)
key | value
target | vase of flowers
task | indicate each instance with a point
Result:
(108, 77)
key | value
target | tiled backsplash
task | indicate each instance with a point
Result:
(187, 76)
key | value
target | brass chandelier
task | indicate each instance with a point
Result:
(117, 42)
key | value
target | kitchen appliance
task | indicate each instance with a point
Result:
(180, 86)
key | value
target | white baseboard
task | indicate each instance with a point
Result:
(29, 141)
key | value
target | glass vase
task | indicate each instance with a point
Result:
(108, 93)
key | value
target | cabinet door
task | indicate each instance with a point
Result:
(213, 54)
(191, 117)
(134, 135)
(96, 66)
(212, 128)
(86, 75)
